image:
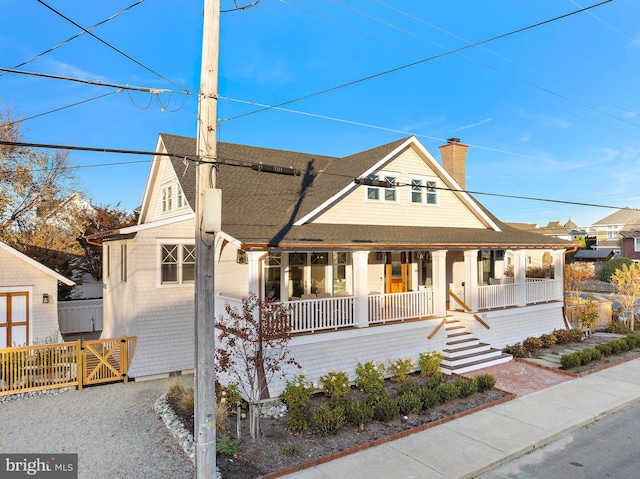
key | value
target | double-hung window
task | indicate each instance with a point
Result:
(388, 194)
(177, 263)
(172, 197)
(636, 243)
(424, 191)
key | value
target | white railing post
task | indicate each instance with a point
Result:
(440, 291)
(361, 288)
(520, 275)
(471, 279)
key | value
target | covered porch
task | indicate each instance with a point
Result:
(334, 290)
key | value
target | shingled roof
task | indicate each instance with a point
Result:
(260, 209)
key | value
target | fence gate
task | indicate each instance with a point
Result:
(106, 360)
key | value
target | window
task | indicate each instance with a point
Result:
(636, 243)
(390, 194)
(180, 198)
(172, 198)
(339, 273)
(272, 275)
(106, 261)
(424, 191)
(178, 263)
(123, 263)
(166, 199)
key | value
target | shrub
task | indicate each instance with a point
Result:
(576, 335)
(359, 414)
(485, 382)
(516, 350)
(401, 368)
(176, 390)
(410, 387)
(563, 336)
(571, 360)
(611, 266)
(587, 355)
(548, 340)
(446, 392)
(409, 403)
(187, 401)
(615, 346)
(604, 348)
(633, 340)
(624, 345)
(228, 395)
(466, 387)
(384, 407)
(335, 385)
(297, 397)
(531, 344)
(369, 376)
(436, 380)
(291, 450)
(226, 446)
(618, 327)
(329, 420)
(429, 398)
(429, 363)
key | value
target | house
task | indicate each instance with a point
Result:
(595, 258)
(608, 228)
(28, 299)
(631, 243)
(399, 262)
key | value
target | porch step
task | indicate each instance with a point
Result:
(463, 341)
(471, 357)
(464, 350)
(454, 329)
(475, 365)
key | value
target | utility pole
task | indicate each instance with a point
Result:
(205, 398)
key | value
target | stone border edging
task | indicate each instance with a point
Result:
(583, 373)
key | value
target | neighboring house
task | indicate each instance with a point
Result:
(608, 228)
(28, 299)
(631, 244)
(595, 258)
(369, 272)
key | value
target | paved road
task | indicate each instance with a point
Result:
(605, 449)
(113, 428)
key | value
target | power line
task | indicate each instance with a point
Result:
(7, 125)
(111, 46)
(75, 36)
(424, 60)
(237, 8)
(289, 170)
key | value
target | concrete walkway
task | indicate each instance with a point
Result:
(476, 443)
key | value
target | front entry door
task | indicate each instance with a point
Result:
(397, 279)
(14, 319)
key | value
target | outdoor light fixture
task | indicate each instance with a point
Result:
(241, 257)
(45, 298)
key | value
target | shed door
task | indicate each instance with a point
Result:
(14, 319)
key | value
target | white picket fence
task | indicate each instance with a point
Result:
(80, 316)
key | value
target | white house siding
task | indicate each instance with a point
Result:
(16, 276)
(232, 279)
(162, 317)
(509, 326)
(356, 209)
(318, 354)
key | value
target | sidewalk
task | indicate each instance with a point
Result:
(476, 443)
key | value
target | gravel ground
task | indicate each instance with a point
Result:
(113, 429)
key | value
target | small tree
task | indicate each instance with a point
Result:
(576, 276)
(253, 349)
(611, 266)
(627, 283)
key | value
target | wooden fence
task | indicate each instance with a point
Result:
(77, 363)
(575, 306)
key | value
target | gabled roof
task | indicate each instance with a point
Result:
(261, 209)
(630, 233)
(624, 216)
(602, 254)
(35, 264)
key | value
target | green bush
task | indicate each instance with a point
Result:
(611, 266)
(429, 363)
(615, 346)
(466, 387)
(589, 354)
(571, 360)
(563, 336)
(297, 396)
(436, 380)
(226, 446)
(429, 398)
(410, 387)
(548, 340)
(576, 335)
(329, 420)
(369, 376)
(633, 340)
(485, 382)
(385, 408)
(618, 327)
(228, 395)
(604, 348)
(359, 414)
(401, 368)
(335, 384)
(409, 403)
(531, 344)
(622, 343)
(516, 350)
(291, 450)
(446, 392)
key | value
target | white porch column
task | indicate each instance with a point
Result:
(520, 275)
(361, 288)
(471, 279)
(558, 270)
(254, 271)
(440, 290)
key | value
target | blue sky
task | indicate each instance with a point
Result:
(551, 112)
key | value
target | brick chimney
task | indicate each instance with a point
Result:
(454, 160)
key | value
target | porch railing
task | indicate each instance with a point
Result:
(542, 290)
(309, 315)
(400, 306)
(497, 296)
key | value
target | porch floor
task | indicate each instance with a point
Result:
(520, 378)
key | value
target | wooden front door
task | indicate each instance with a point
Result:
(397, 278)
(14, 319)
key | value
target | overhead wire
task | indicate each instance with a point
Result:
(237, 8)
(244, 164)
(64, 42)
(424, 60)
(111, 46)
